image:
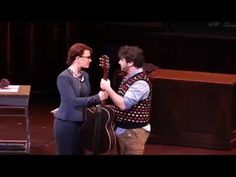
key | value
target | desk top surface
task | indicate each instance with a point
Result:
(24, 90)
(193, 76)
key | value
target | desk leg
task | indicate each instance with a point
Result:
(27, 130)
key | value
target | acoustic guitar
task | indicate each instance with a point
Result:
(97, 133)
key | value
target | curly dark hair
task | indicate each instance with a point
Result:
(132, 54)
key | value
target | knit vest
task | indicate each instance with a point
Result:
(137, 116)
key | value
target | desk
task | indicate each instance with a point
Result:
(13, 101)
(196, 109)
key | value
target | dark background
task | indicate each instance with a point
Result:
(34, 53)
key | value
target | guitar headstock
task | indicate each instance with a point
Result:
(105, 64)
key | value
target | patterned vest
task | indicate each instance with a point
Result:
(138, 115)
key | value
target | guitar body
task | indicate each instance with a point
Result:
(97, 132)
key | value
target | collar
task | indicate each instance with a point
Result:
(139, 70)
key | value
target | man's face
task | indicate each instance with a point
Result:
(123, 65)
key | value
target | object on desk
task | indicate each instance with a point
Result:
(4, 83)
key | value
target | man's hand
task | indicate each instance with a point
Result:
(105, 84)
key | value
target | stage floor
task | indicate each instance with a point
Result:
(42, 140)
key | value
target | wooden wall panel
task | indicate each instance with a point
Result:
(193, 108)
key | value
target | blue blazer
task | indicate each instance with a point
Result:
(74, 93)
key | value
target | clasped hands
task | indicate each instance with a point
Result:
(104, 85)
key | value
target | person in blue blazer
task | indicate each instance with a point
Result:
(74, 89)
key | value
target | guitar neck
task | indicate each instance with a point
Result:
(105, 77)
(105, 72)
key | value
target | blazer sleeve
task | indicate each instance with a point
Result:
(67, 94)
